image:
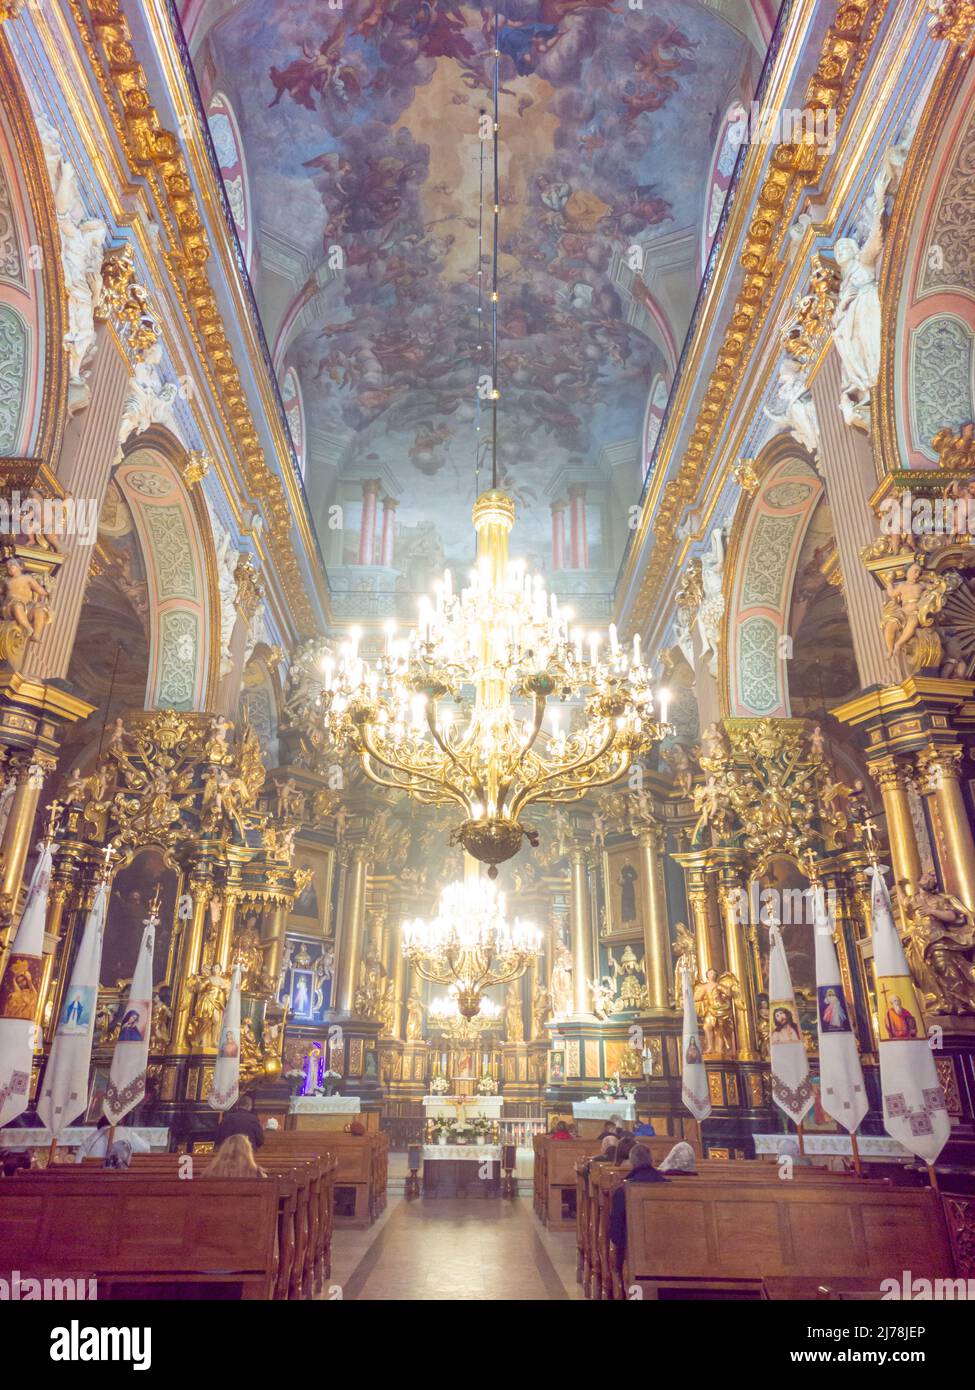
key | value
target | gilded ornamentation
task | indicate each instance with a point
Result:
(25, 602)
(908, 614)
(955, 450)
(10, 9)
(209, 990)
(952, 20)
(939, 942)
(746, 476)
(717, 997)
(195, 467)
(161, 1026)
(812, 318)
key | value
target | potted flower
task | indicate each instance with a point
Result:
(297, 1079)
(483, 1128)
(487, 1086)
(443, 1129)
(440, 1086)
(330, 1083)
(465, 1133)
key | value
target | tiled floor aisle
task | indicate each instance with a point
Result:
(455, 1248)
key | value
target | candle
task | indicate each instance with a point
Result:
(664, 697)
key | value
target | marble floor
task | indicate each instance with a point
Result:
(459, 1248)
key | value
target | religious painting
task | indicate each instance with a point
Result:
(371, 1060)
(816, 1120)
(128, 907)
(898, 1014)
(135, 1021)
(311, 912)
(785, 1022)
(306, 978)
(20, 987)
(556, 1067)
(624, 891)
(77, 1011)
(464, 1065)
(834, 1013)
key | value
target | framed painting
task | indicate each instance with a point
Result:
(307, 972)
(312, 910)
(128, 906)
(624, 892)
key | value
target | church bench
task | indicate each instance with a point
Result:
(601, 1275)
(145, 1236)
(710, 1235)
(311, 1261)
(555, 1175)
(361, 1169)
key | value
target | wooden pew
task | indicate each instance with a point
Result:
(712, 1235)
(361, 1168)
(145, 1237)
(555, 1175)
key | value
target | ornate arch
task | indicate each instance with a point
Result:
(927, 288)
(225, 134)
(261, 698)
(176, 539)
(33, 318)
(760, 569)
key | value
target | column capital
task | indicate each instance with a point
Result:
(891, 772)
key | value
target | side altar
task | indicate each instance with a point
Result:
(323, 1112)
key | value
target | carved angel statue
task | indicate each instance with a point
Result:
(684, 949)
(603, 993)
(717, 997)
(249, 953)
(793, 408)
(911, 603)
(209, 989)
(24, 601)
(715, 746)
(560, 984)
(940, 946)
(713, 807)
(712, 602)
(856, 319)
(677, 758)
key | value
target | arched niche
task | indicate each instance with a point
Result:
(260, 701)
(176, 542)
(33, 317)
(763, 553)
(927, 372)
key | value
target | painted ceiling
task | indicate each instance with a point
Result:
(359, 126)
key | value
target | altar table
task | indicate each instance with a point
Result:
(435, 1107)
(456, 1170)
(323, 1112)
(591, 1115)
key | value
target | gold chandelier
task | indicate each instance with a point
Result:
(445, 1017)
(470, 944)
(455, 711)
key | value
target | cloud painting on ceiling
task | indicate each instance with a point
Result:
(360, 126)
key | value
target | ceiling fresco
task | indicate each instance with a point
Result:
(360, 129)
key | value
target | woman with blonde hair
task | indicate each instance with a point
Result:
(235, 1159)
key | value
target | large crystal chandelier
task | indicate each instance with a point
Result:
(455, 711)
(470, 944)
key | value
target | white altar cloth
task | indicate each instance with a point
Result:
(870, 1145)
(325, 1105)
(604, 1109)
(77, 1134)
(474, 1153)
(468, 1106)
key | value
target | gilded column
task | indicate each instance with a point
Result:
(940, 769)
(699, 901)
(581, 930)
(353, 923)
(730, 900)
(656, 932)
(275, 929)
(891, 777)
(29, 771)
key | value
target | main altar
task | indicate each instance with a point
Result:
(462, 1107)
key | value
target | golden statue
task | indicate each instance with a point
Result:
(24, 601)
(939, 943)
(249, 952)
(716, 997)
(251, 1055)
(514, 1019)
(209, 990)
(414, 1018)
(627, 974)
(161, 1025)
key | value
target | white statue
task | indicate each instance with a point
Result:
(794, 408)
(82, 248)
(856, 321)
(227, 557)
(148, 400)
(560, 985)
(711, 609)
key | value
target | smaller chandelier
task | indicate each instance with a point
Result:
(470, 945)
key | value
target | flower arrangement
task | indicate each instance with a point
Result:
(483, 1128)
(465, 1132)
(297, 1078)
(330, 1083)
(487, 1086)
(440, 1086)
(445, 1127)
(613, 1089)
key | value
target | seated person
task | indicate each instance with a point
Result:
(641, 1170)
(607, 1150)
(645, 1129)
(96, 1144)
(241, 1119)
(14, 1160)
(561, 1131)
(681, 1161)
(624, 1147)
(235, 1159)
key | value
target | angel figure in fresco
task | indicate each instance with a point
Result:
(716, 997)
(322, 72)
(911, 603)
